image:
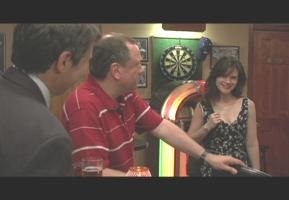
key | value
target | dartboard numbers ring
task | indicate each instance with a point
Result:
(178, 63)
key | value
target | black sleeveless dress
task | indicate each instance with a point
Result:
(226, 139)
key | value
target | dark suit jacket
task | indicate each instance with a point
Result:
(32, 140)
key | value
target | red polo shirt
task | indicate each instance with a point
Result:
(104, 127)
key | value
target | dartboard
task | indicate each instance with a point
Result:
(178, 63)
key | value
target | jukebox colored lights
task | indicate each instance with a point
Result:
(169, 111)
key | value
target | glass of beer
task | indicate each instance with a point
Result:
(76, 168)
(91, 167)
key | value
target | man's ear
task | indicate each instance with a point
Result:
(115, 70)
(64, 61)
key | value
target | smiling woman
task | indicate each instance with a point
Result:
(224, 121)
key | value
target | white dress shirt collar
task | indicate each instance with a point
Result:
(43, 88)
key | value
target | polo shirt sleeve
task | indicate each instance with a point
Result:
(147, 119)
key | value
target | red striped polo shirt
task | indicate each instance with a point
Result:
(103, 127)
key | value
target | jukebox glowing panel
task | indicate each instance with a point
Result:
(171, 161)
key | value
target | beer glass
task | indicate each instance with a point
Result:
(76, 168)
(91, 167)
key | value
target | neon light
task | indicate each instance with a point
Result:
(167, 153)
(166, 160)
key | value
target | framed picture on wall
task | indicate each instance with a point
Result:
(220, 51)
(2, 52)
(143, 47)
(142, 81)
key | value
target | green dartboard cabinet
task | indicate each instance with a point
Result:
(173, 61)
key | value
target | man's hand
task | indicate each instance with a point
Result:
(225, 163)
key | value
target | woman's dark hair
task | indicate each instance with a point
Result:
(221, 68)
(111, 48)
(37, 46)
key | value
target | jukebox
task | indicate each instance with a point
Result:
(176, 102)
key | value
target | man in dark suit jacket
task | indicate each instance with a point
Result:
(47, 60)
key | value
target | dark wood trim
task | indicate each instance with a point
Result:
(185, 27)
(271, 27)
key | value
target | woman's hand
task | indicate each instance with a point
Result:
(213, 121)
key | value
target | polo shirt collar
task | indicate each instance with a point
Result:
(108, 101)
